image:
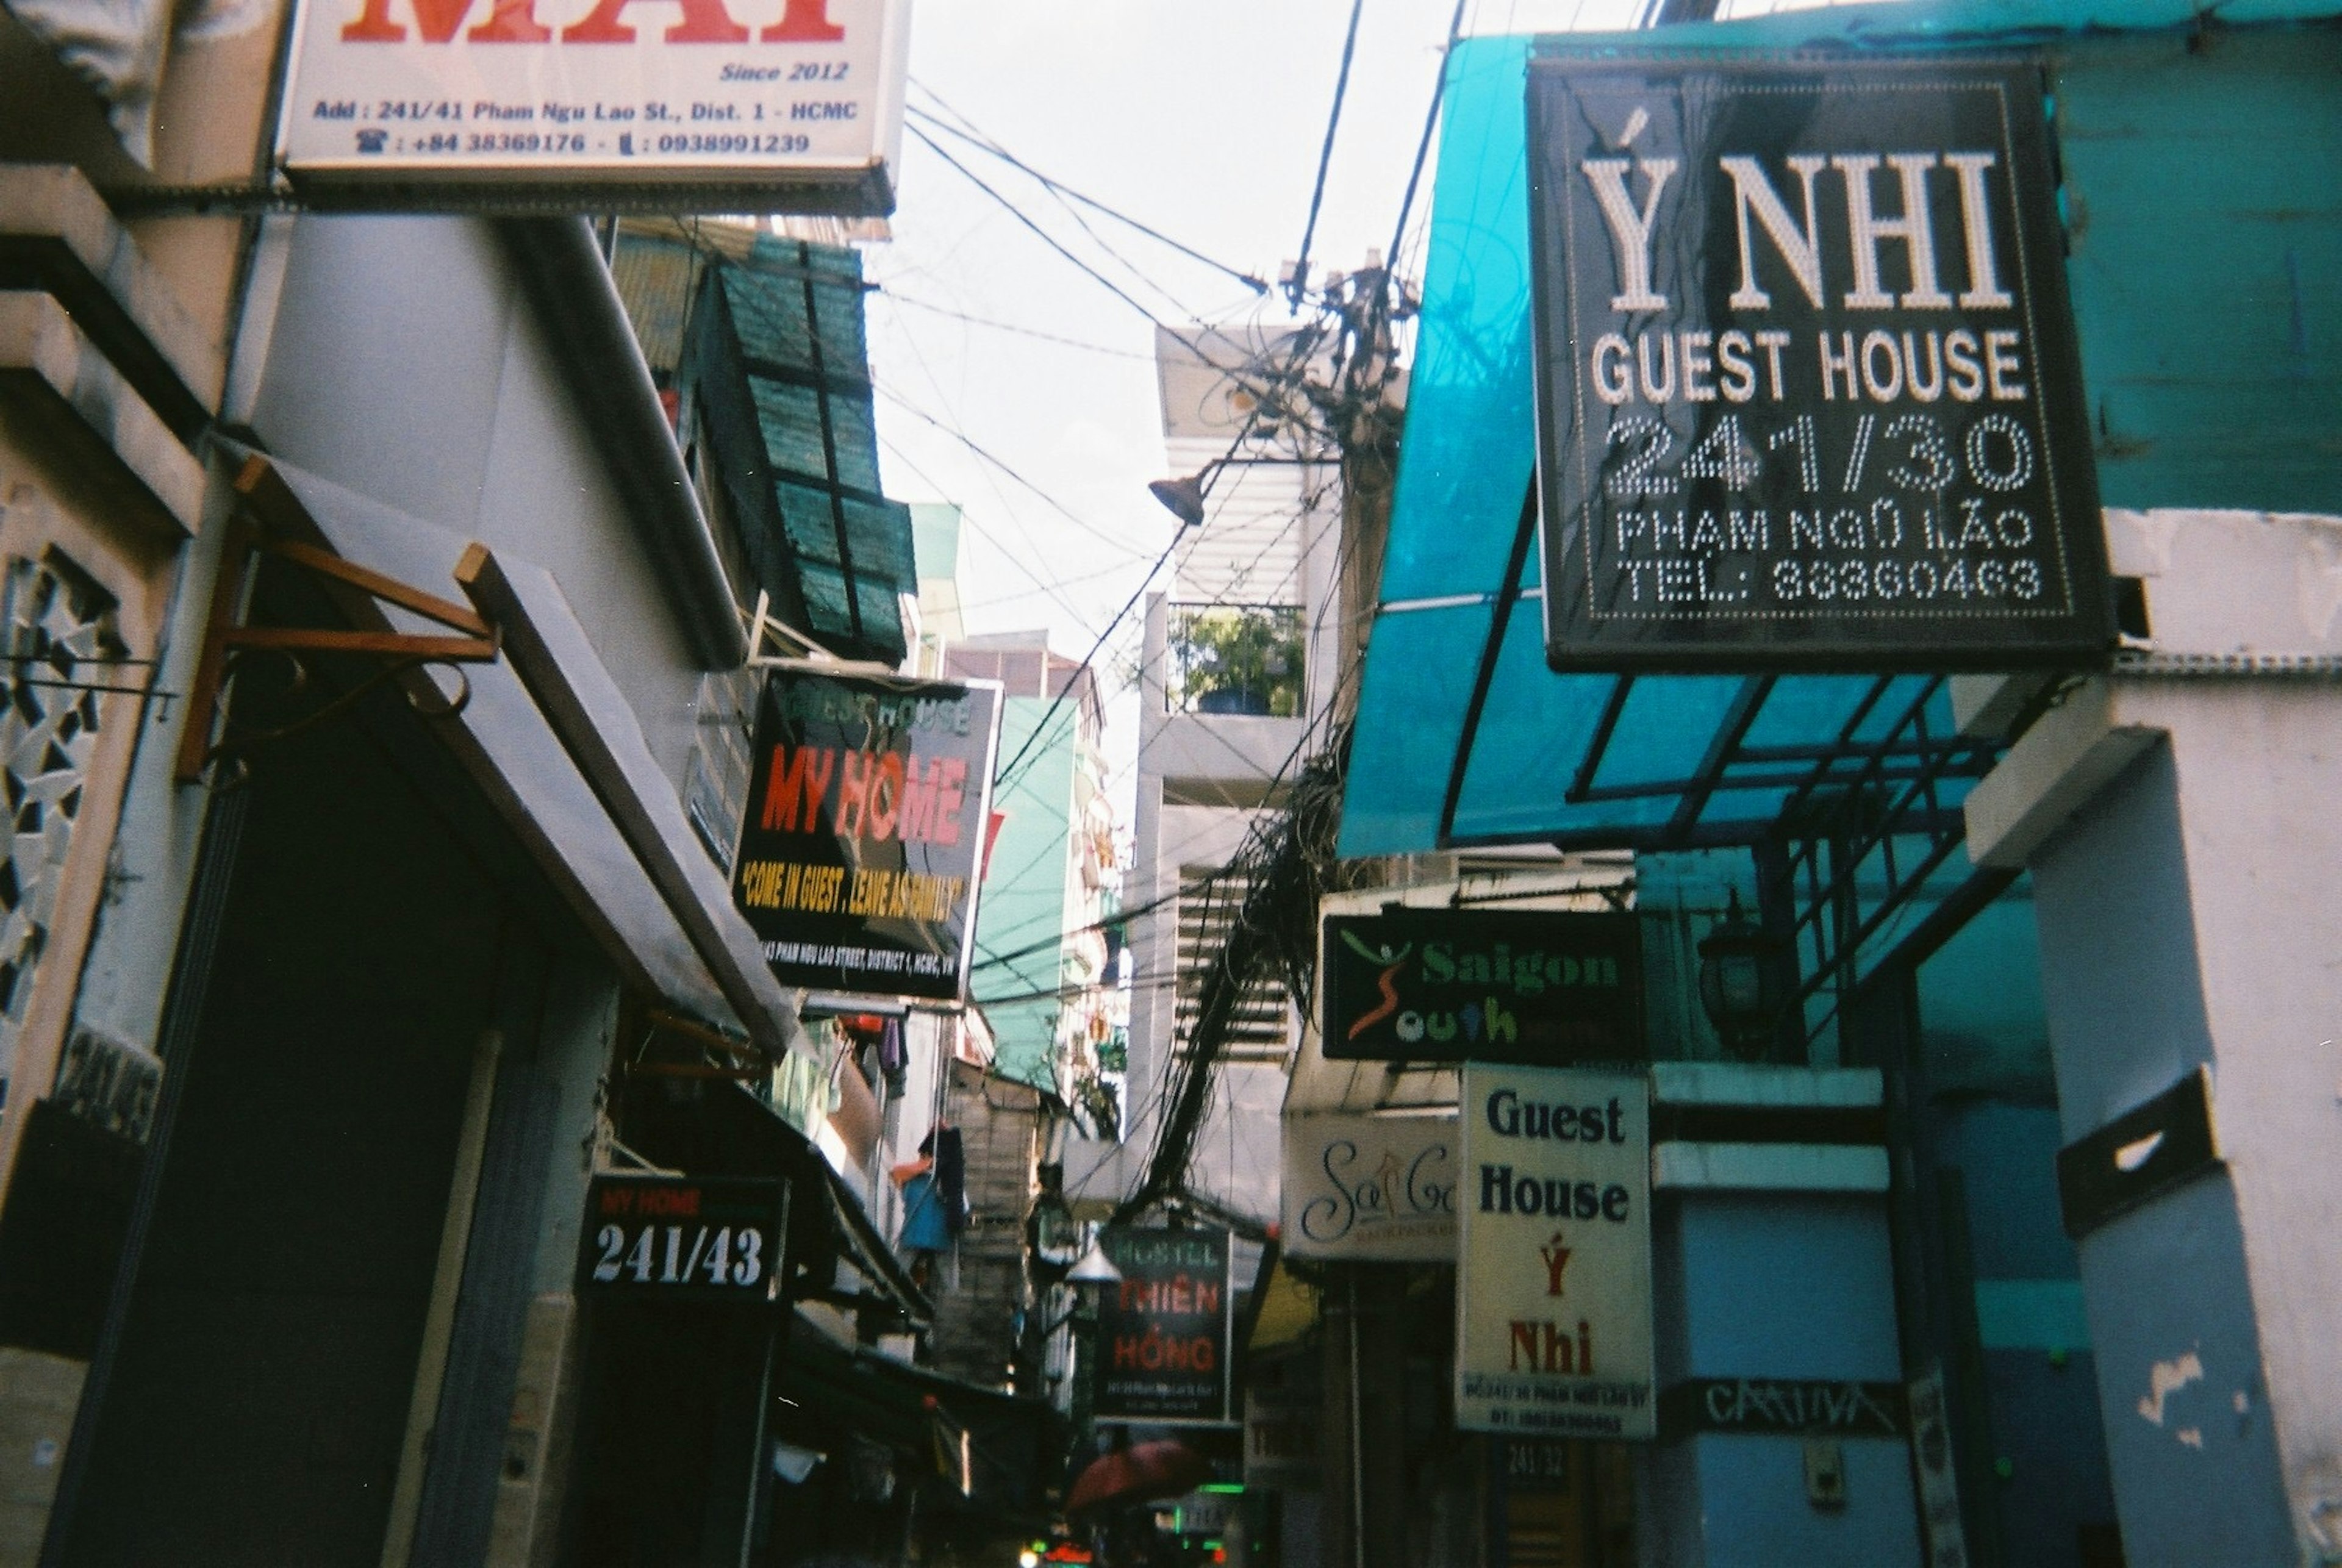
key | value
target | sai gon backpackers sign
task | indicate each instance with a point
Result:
(1808, 392)
(862, 843)
(763, 105)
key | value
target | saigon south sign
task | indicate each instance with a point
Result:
(860, 847)
(1494, 985)
(1553, 1287)
(601, 105)
(1808, 387)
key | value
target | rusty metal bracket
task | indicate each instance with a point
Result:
(265, 525)
(743, 1061)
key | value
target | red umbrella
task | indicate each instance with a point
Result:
(1138, 1474)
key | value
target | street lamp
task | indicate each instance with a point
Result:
(1095, 1269)
(1184, 498)
(1739, 989)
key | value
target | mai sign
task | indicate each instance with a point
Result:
(759, 105)
(1808, 387)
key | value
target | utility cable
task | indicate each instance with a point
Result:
(1423, 147)
(986, 145)
(898, 297)
(1002, 464)
(1299, 283)
(1045, 237)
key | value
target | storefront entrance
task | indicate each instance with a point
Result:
(351, 1105)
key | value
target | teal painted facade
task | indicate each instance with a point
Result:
(1026, 892)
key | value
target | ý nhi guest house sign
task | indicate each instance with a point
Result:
(748, 105)
(1553, 1295)
(1809, 392)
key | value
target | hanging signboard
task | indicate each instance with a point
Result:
(1807, 385)
(1164, 1328)
(677, 1237)
(1553, 1293)
(1493, 985)
(867, 798)
(1369, 1189)
(733, 105)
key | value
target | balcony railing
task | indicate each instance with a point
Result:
(1234, 659)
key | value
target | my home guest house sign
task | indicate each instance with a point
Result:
(867, 798)
(1807, 385)
(598, 94)
(1553, 1298)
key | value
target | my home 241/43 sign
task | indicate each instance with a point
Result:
(1490, 985)
(611, 103)
(1552, 1290)
(1807, 386)
(673, 1237)
(859, 850)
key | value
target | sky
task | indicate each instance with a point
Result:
(1204, 119)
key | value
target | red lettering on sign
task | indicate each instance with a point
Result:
(703, 21)
(509, 21)
(804, 22)
(797, 781)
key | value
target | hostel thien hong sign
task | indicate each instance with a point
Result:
(1162, 1328)
(1494, 985)
(859, 849)
(1808, 394)
(1553, 1292)
(608, 103)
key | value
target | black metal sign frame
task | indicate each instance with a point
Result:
(1809, 394)
(1534, 987)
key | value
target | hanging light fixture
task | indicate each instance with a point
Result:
(1739, 989)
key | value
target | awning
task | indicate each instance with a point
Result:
(552, 744)
(730, 1131)
(1464, 736)
(1000, 1444)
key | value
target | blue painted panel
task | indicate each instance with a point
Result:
(1752, 1491)
(2201, 1476)
(1786, 1285)
(2055, 1452)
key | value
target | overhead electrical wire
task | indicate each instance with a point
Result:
(1423, 145)
(898, 297)
(1046, 237)
(1004, 466)
(1299, 283)
(976, 139)
(1042, 586)
(1185, 339)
